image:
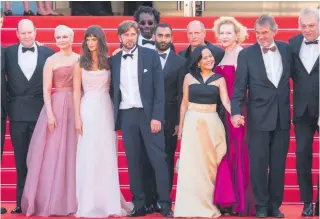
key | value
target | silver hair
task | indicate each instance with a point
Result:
(309, 11)
(267, 20)
(68, 30)
(197, 22)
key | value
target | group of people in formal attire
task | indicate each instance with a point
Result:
(229, 105)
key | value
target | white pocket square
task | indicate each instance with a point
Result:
(145, 70)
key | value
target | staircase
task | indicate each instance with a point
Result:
(45, 29)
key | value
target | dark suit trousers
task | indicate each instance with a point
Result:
(136, 134)
(3, 134)
(21, 133)
(305, 128)
(268, 149)
(148, 172)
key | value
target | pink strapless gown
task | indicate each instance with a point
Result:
(237, 159)
(50, 187)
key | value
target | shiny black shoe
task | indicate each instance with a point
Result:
(149, 209)
(3, 210)
(17, 210)
(137, 213)
(275, 213)
(307, 209)
(167, 214)
(157, 207)
(261, 214)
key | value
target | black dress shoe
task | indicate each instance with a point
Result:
(168, 213)
(137, 213)
(157, 207)
(149, 209)
(261, 213)
(307, 210)
(3, 210)
(17, 210)
(275, 213)
(316, 209)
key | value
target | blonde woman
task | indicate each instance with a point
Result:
(50, 183)
(230, 34)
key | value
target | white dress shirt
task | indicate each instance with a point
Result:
(28, 61)
(309, 54)
(162, 60)
(147, 45)
(129, 83)
(273, 65)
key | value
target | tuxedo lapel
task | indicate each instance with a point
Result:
(259, 61)
(40, 60)
(315, 67)
(117, 72)
(297, 46)
(283, 59)
(169, 62)
(140, 66)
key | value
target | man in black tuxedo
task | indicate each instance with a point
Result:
(4, 100)
(264, 70)
(173, 67)
(139, 101)
(196, 36)
(305, 74)
(24, 69)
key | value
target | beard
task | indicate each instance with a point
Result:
(162, 46)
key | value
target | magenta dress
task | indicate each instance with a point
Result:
(237, 158)
(50, 187)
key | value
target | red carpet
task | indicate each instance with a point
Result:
(45, 29)
(290, 211)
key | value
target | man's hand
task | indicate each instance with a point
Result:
(155, 126)
(237, 120)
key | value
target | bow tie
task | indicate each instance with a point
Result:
(147, 41)
(311, 42)
(128, 55)
(272, 49)
(163, 55)
(24, 49)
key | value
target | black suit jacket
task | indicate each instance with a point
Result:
(174, 72)
(266, 103)
(25, 97)
(151, 84)
(4, 99)
(306, 86)
(217, 53)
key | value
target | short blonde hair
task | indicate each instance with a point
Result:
(241, 31)
(68, 30)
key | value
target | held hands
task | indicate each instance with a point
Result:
(79, 126)
(52, 124)
(155, 126)
(237, 121)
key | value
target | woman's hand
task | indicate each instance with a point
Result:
(79, 126)
(180, 133)
(52, 124)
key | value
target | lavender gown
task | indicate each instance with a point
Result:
(237, 158)
(50, 187)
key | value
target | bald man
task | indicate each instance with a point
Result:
(24, 66)
(196, 35)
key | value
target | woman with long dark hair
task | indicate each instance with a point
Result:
(203, 137)
(97, 180)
